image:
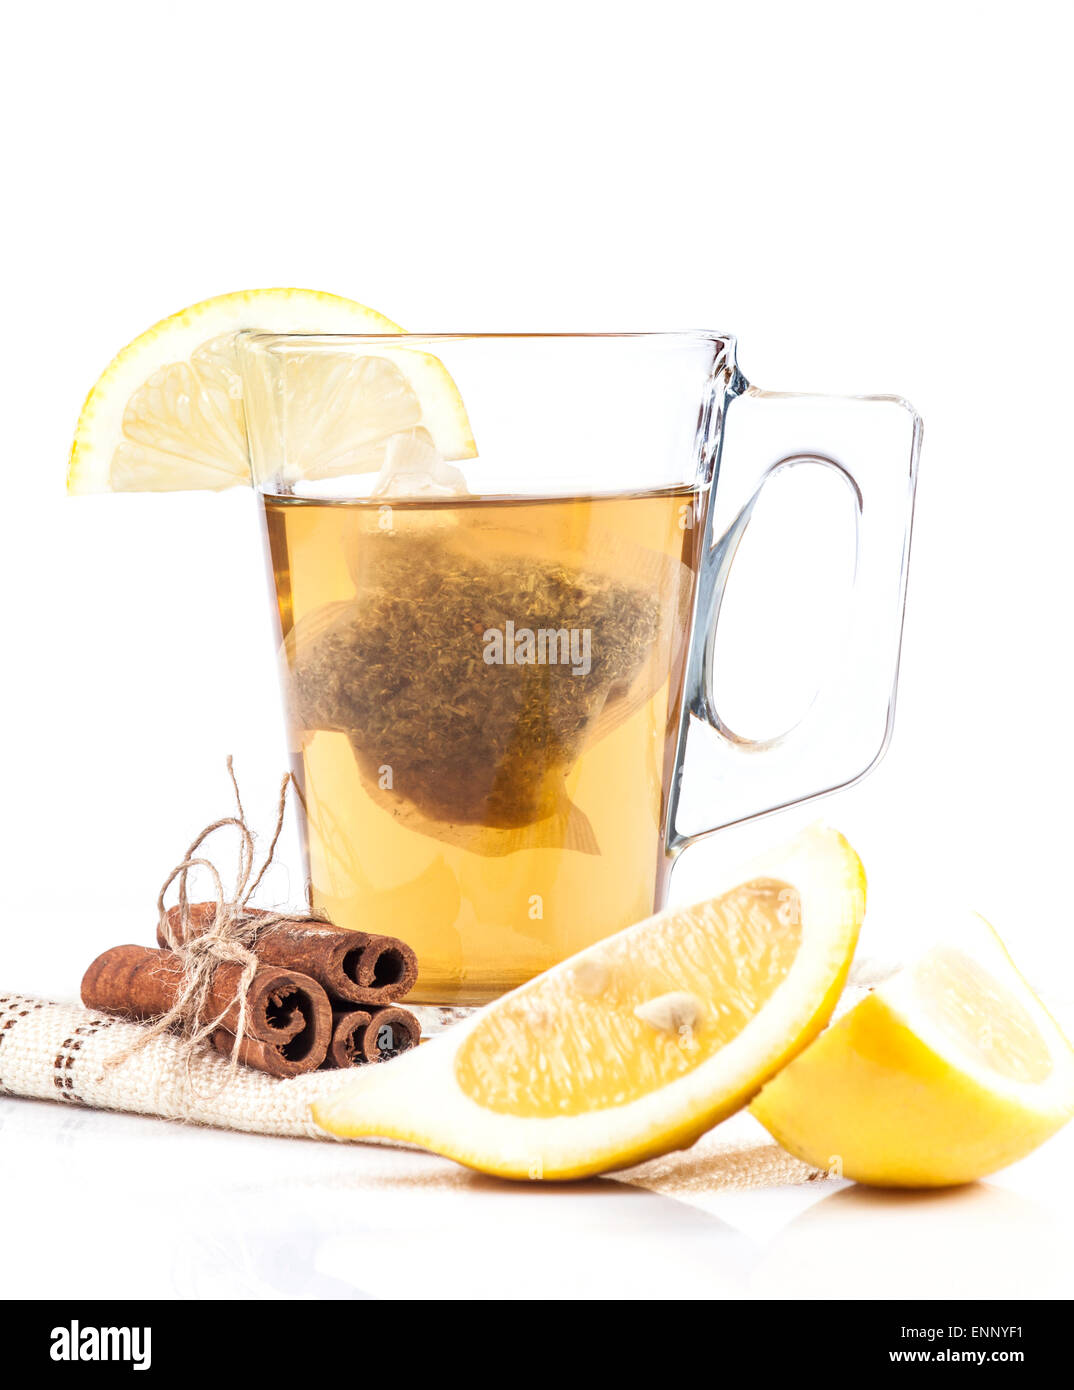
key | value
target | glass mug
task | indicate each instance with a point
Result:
(498, 564)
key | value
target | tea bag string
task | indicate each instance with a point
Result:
(229, 938)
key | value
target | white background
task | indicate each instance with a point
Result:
(873, 198)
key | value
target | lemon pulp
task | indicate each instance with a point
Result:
(974, 1010)
(576, 1041)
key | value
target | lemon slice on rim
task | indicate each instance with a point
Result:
(639, 1044)
(947, 1071)
(166, 414)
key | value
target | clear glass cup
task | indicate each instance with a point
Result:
(498, 564)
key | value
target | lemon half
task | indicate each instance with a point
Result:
(946, 1072)
(166, 415)
(636, 1045)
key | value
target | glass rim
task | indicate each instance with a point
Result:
(264, 337)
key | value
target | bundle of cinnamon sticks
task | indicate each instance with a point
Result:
(320, 997)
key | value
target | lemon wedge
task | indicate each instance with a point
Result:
(166, 414)
(636, 1045)
(947, 1071)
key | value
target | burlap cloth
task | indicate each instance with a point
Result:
(60, 1052)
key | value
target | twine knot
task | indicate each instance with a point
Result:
(229, 939)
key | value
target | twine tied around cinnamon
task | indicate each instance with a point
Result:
(229, 939)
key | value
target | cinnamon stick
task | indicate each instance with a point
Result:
(293, 1058)
(352, 967)
(288, 1016)
(377, 1035)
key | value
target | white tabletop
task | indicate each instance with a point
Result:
(118, 1206)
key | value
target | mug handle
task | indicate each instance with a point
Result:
(873, 443)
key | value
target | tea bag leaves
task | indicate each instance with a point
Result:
(402, 671)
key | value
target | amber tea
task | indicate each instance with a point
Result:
(483, 697)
